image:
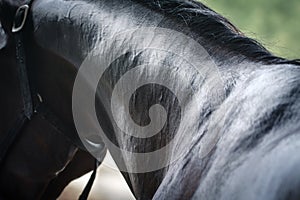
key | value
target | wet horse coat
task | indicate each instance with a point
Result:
(251, 130)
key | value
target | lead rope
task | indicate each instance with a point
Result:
(25, 90)
(85, 193)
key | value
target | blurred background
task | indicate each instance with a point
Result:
(274, 23)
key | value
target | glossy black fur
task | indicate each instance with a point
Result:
(260, 110)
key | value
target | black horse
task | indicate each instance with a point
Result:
(231, 108)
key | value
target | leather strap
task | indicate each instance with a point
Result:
(85, 193)
(27, 112)
(23, 77)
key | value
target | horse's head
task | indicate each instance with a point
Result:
(37, 135)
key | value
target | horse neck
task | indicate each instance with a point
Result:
(73, 29)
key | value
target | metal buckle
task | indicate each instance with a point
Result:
(25, 9)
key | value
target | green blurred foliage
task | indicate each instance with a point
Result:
(274, 23)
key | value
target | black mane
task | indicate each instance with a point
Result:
(217, 31)
(222, 39)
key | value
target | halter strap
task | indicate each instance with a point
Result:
(27, 112)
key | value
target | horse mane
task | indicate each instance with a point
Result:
(222, 38)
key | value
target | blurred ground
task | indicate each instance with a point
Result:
(109, 184)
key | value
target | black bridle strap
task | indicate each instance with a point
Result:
(23, 77)
(8, 139)
(20, 17)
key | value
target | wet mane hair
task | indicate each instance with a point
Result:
(216, 30)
